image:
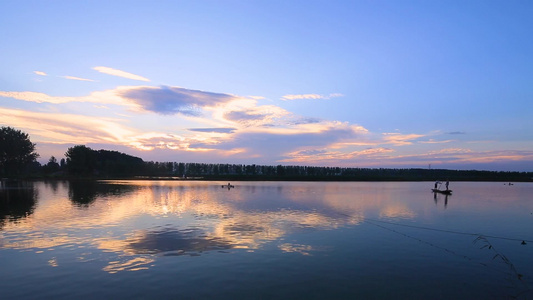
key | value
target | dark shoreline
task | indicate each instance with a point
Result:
(259, 178)
(298, 174)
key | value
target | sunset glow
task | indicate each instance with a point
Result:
(402, 84)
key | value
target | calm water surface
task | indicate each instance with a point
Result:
(265, 240)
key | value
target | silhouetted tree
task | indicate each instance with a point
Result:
(81, 160)
(63, 164)
(17, 152)
(104, 163)
(52, 166)
(114, 163)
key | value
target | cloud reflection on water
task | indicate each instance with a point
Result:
(169, 241)
(140, 220)
(298, 248)
(133, 264)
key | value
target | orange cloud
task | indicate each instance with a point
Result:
(398, 139)
(325, 156)
(100, 97)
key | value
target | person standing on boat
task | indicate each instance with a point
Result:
(436, 183)
(447, 184)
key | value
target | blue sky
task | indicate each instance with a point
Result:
(325, 83)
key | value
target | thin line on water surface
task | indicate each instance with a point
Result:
(441, 230)
(450, 231)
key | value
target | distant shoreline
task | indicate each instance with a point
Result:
(217, 172)
(260, 178)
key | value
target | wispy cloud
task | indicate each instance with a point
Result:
(79, 129)
(432, 141)
(387, 157)
(327, 156)
(101, 97)
(304, 96)
(265, 115)
(276, 142)
(68, 128)
(173, 100)
(208, 126)
(36, 97)
(398, 139)
(456, 132)
(310, 96)
(76, 78)
(161, 100)
(463, 156)
(217, 130)
(41, 73)
(119, 73)
(450, 151)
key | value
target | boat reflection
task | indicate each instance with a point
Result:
(436, 198)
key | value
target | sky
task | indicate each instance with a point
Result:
(368, 84)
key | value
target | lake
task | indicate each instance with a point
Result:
(265, 240)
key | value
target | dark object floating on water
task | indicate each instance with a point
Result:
(228, 186)
(446, 192)
(523, 243)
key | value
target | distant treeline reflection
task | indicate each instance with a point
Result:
(85, 162)
(83, 193)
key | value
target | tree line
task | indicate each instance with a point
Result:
(18, 159)
(310, 173)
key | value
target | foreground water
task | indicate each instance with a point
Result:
(265, 240)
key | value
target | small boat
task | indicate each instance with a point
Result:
(446, 192)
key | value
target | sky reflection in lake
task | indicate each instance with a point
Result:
(291, 234)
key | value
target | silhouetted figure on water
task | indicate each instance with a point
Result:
(229, 186)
